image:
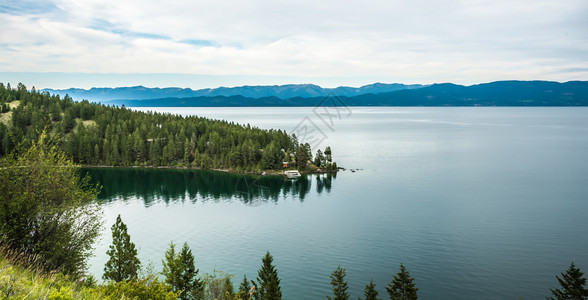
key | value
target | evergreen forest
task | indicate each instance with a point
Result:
(101, 135)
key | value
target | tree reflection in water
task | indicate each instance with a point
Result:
(170, 185)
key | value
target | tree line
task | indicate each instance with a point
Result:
(96, 134)
(181, 277)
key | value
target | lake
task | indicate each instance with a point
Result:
(477, 203)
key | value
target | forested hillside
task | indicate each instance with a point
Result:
(95, 134)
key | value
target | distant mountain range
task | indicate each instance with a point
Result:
(500, 93)
(278, 91)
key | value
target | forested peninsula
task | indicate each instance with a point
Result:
(99, 135)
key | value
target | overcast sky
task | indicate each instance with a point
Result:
(198, 44)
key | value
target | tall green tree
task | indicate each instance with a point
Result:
(402, 286)
(180, 272)
(229, 290)
(55, 112)
(69, 120)
(573, 285)
(370, 292)
(319, 159)
(268, 282)
(123, 263)
(47, 209)
(328, 154)
(339, 284)
(303, 156)
(244, 288)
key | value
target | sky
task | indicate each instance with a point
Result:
(206, 44)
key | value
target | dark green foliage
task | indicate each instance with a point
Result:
(229, 290)
(329, 165)
(90, 281)
(3, 134)
(573, 285)
(268, 282)
(370, 292)
(69, 120)
(46, 209)
(117, 136)
(123, 263)
(402, 286)
(319, 159)
(328, 155)
(180, 273)
(339, 285)
(272, 157)
(12, 137)
(303, 155)
(244, 288)
(55, 111)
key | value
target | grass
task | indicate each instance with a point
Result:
(6, 118)
(89, 123)
(14, 104)
(20, 279)
(18, 282)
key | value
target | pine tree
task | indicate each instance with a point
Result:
(302, 157)
(69, 121)
(402, 287)
(55, 112)
(573, 285)
(96, 156)
(319, 159)
(370, 292)
(194, 287)
(328, 154)
(245, 286)
(268, 282)
(123, 263)
(329, 164)
(339, 285)
(171, 266)
(180, 272)
(228, 289)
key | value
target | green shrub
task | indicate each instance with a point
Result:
(147, 288)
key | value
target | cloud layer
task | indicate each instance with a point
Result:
(420, 41)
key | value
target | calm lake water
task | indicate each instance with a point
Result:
(477, 203)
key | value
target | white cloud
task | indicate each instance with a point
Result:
(406, 41)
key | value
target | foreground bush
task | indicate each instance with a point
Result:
(148, 288)
(47, 210)
(25, 282)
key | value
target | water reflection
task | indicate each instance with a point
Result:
(167, 185)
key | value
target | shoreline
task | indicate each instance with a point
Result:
(263, 173)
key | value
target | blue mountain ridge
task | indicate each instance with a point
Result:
(279, 91)
(499, 93)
